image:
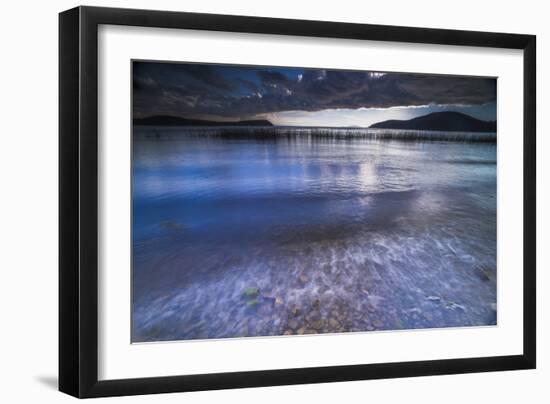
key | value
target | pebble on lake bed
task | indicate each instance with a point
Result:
(293, 324)
(251, 292)
(296, 311)
(317, 324)
(333, 323)
(377, 323)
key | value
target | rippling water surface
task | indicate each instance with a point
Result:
(242, 237)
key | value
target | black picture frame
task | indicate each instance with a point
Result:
(78, 201)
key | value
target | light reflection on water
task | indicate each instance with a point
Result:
(253, 238)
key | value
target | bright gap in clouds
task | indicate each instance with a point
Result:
(365, 117)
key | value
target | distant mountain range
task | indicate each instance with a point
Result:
(167, 120)
(448, 121)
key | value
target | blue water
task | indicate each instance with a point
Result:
(236, 237)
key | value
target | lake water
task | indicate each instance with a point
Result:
(236, 237)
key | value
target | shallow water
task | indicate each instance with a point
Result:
(241, 237)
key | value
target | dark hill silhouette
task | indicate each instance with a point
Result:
(167, 120)
(448, 121)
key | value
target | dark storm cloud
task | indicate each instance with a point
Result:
(269, 78)
(235, 92)
(207, 75)
(251, 86)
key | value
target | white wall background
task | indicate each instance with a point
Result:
(28, 202)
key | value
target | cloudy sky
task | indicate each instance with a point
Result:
(298, 96)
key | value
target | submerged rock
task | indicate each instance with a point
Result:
(333, 323)
(378, 324)
(484, 274)
(252, 304)
(317, 324)
(293, 324)
(251, 292)
(313, 315)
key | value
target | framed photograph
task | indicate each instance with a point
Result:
(251, 201)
